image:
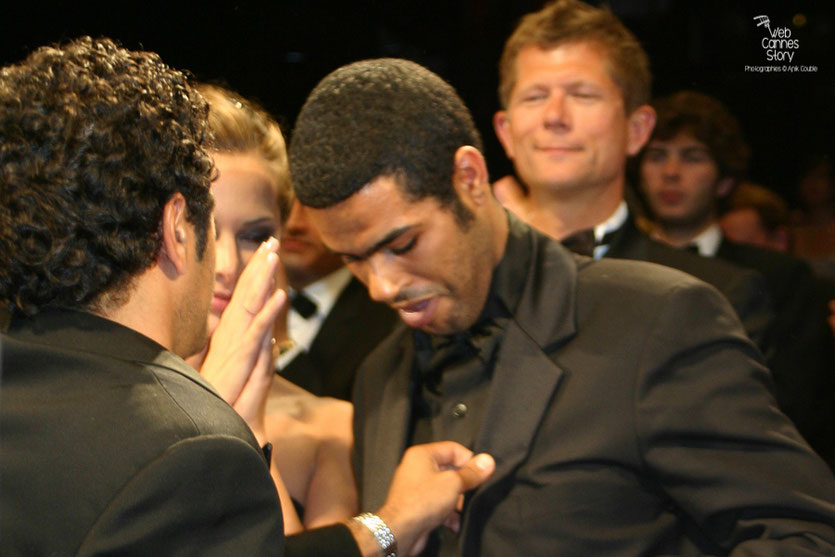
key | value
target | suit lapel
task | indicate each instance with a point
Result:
(629, 243)
(175, 363)
(386, 433)
(525, 379)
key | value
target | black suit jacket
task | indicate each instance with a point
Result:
(629, 415)
(113, 445)
(745, 289)
(799, 347)
(354, 326)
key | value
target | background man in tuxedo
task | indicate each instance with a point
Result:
(332, 320)
(574, 85)
(694, 159)
(111, 443)
(627, 410)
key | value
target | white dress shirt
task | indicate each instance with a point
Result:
(324, 293)
(708, 240)
(614, 222)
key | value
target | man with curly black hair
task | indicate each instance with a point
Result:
(111, 444)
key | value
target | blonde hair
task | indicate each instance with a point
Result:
(239, 125)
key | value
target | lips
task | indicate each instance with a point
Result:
(292, 244)
(671, 197)
(219, 302)
(558, 150)
(419, 314)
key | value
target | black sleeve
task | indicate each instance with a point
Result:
(333, 540)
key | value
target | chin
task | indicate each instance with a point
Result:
(211, 324)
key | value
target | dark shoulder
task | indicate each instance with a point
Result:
(766, 261)
(393, 347)
(622, 277)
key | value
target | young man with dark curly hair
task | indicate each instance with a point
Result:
(111, 444)
(693, 161)
(628, 412)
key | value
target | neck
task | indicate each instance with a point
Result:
(501, 229)
(299, 277)
(146, 311)
(562, 213)
(680, 235)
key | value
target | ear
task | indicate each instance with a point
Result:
(469, 177)
(640, 125)
(501, 124)
(175, 230)
(724, 187)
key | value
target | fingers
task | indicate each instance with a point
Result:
(445, 454)
(476, 471)
(245, 326)
(427, 488)
(257, 279)
(251, 403)
(262, 323)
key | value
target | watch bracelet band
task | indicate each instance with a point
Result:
(381, 532)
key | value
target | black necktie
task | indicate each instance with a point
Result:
(303, 305)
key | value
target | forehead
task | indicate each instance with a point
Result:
(566, 61)
(243, 180)
(357, 223)
(682, 139)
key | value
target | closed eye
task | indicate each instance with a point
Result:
(256, 235)
(404, 249)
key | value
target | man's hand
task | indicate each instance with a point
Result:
(239, 362)
(428, 488)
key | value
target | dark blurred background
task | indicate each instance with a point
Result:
(277, 51)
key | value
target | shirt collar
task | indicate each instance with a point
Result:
(613, 223)
(325, 291)
(510, 274)
(708, 240)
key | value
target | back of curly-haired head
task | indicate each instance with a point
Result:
(380, 118)
(241, 126)
(94, 140)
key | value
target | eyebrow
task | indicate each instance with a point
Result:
(683, 149)
(261, 220)
(387, 239)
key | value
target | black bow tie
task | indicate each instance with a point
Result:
(303, 305)
(434, 354)
(583, 241)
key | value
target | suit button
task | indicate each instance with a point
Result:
(459, 410)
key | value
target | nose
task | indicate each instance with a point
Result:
(227, 260)
(382, 281)
(296, 220)
(672, 167)
(556, 115)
